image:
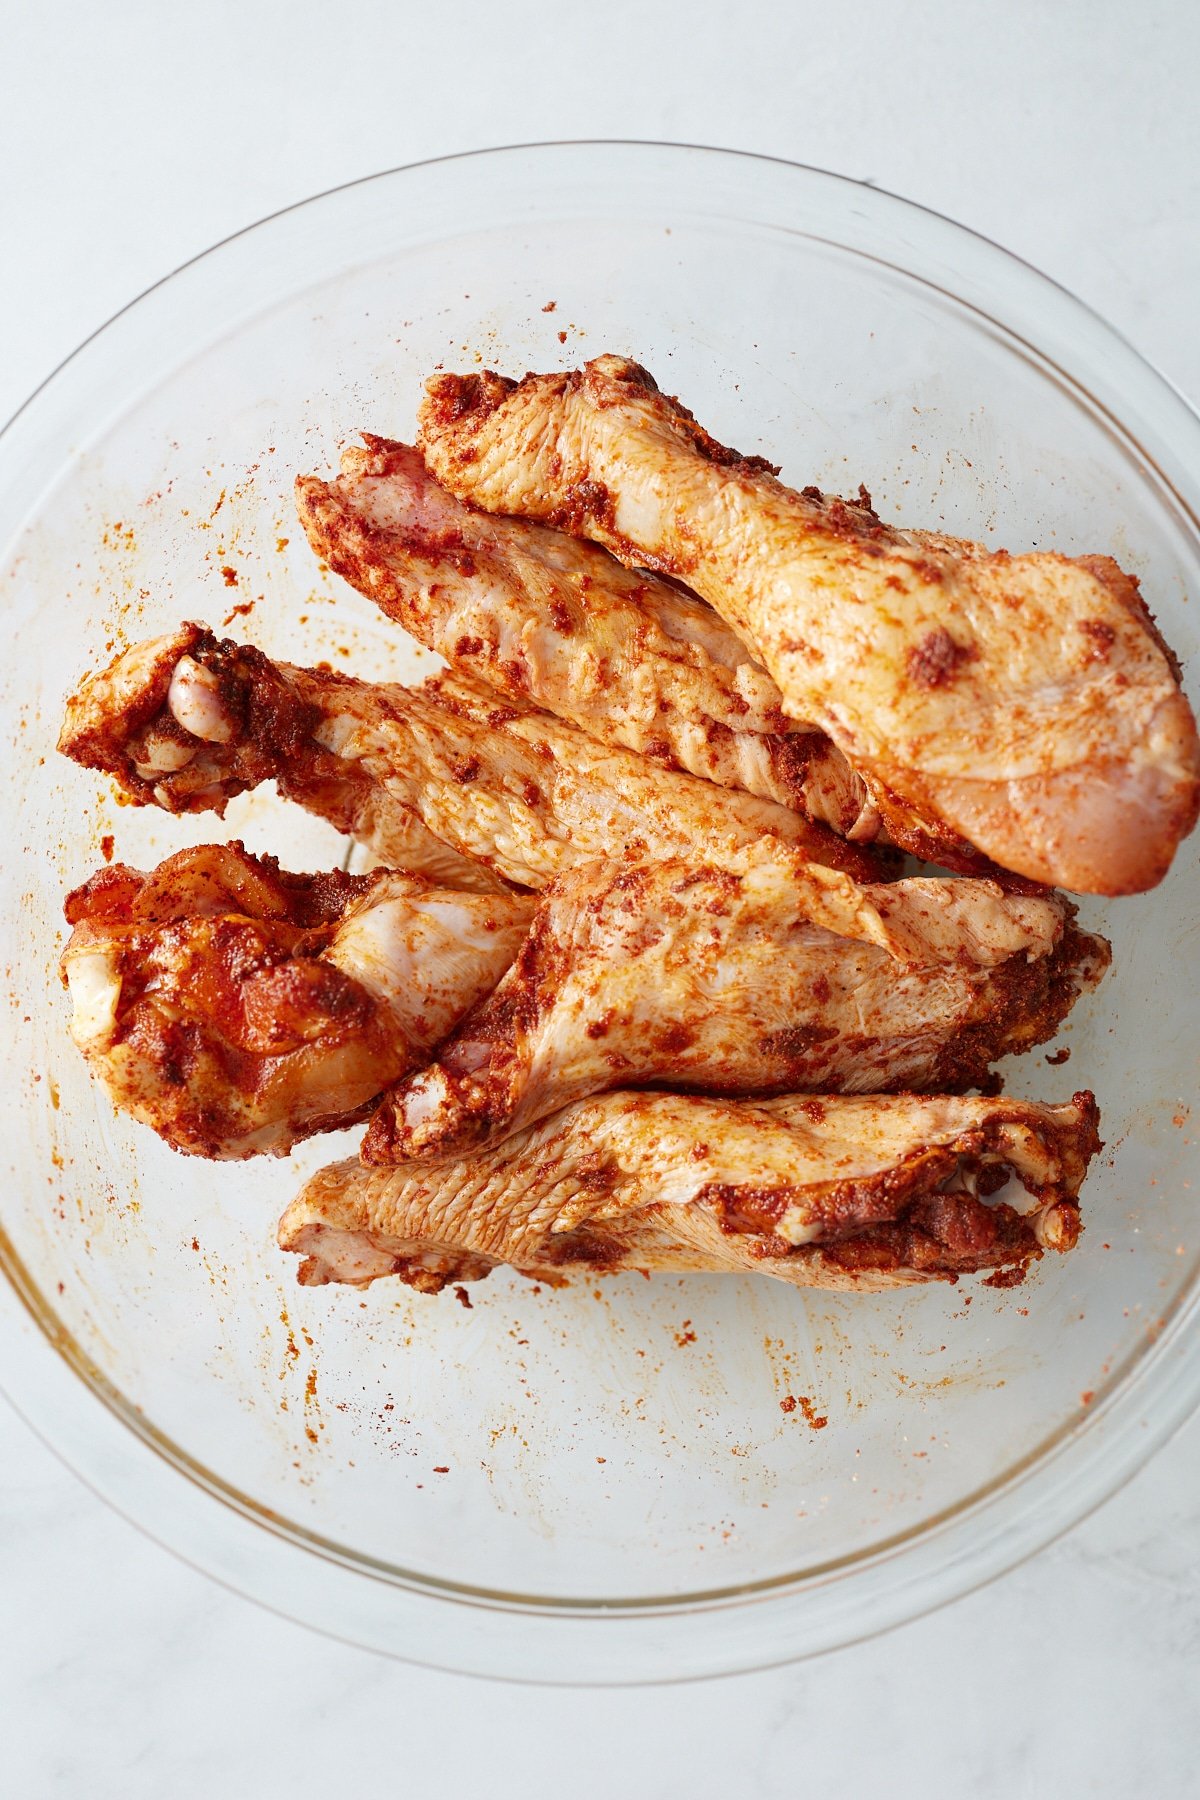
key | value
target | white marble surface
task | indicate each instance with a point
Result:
(134, 134)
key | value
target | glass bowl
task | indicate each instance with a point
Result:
(595, 1484)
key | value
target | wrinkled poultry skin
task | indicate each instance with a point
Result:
(236, 1008)
(547, 618)
(777, 978)
(1024, 705)
(839, 1192)
(444, 778)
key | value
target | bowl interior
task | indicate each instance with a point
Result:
(618, 1440)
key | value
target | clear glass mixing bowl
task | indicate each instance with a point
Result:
(623, 1497)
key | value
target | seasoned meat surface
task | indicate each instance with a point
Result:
(236, 1008)
(444, 778)
(780, 977)
(1021, 705)
(551, 619)
(858, 1193)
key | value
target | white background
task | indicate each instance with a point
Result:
(133, 135)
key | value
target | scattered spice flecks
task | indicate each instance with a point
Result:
(230, 574)
(685, 1334)
(463, 1298)
(106, 846)
(310, 1402)
(1087, 1396)
(812, 1418)
(1060, 1057)
(442, 1469)
(550, 306)
(238, 612)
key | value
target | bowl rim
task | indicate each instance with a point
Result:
(47, 1376)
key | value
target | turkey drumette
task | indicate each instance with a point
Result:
(545, 617)
(236, 1008)
(765, 975)
(838, 1192)
(1023, 705)
(444, 778)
